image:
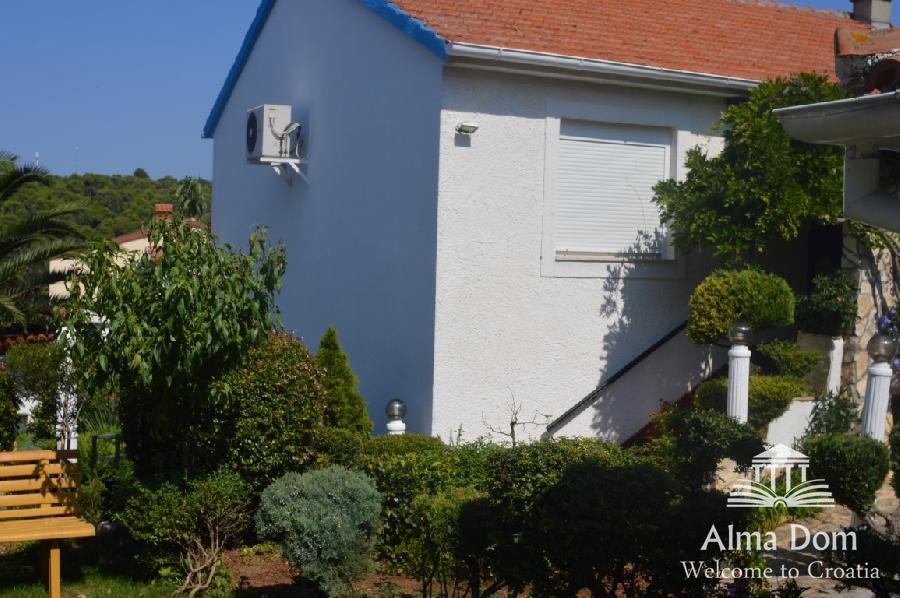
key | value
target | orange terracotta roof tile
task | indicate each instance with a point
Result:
(749, 39)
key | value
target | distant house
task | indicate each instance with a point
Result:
(478, 222)
(135, 242)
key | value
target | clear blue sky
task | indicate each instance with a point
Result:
(110, 85)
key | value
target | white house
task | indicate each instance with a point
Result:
(521, 261)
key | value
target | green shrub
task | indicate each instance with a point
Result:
(517, 479)
(337, 446)
(36, 370)
(189, 526)
(769, 397)
(442, 555)
(9, 412)
(690, 443)
(270, 406)
(345, 405)
(622, 531)
(325, 522)
(833, 413)
(786, 358)
(853, 466)
(400, 478)
(409, 465)
(725, 296)
(387, 445)
(830, 308)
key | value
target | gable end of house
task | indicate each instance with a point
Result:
(410, 26)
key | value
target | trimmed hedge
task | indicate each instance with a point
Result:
(622, 530)
(769, 397)
(387, 445)
(517, 479)
(725, 296)
(444, 553)
(407, 466)
(785, 358)
(853, 466)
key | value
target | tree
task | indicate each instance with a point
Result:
(140, 173)
(39, 372)
(345, 405)
(172, 320)
(763, 185)
(191, 196)
(29, 242)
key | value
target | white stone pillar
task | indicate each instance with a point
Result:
(878, 387)
(835, 361)
(738, 404)
(739, 382)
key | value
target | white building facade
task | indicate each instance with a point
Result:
(520, 266)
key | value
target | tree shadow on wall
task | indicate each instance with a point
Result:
(648, 358)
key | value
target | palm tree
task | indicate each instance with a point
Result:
(27, 245)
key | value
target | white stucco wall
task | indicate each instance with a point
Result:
(361, 237)
(506, 330)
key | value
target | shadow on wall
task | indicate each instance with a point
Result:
(645, 304)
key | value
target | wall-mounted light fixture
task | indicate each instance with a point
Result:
(466, 128)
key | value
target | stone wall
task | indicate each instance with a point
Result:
(877, 291)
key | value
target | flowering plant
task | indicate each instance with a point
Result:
(887, 322)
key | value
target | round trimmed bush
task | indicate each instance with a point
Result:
(270, 406)
(853, 466)
(325, 522)
(764, 300)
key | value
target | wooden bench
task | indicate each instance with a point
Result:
(38, 490)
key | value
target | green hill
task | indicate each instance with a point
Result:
(113, 204)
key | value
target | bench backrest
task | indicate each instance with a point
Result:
(37, 484)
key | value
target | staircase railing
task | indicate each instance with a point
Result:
(581, 405)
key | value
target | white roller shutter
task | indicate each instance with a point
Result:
(605, 178)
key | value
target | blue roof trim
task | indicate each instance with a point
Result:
(256, 27)
(414, 28)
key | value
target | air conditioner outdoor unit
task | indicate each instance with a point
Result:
(268, 133)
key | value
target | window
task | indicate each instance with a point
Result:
(603, 189)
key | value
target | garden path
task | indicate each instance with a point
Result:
(828, 520)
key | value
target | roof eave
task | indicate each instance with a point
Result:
(575, 67)
(256, 27)
(867, 120)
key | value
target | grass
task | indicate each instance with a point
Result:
(92, 585)
(89, 570)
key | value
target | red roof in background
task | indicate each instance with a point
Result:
(750, 39)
